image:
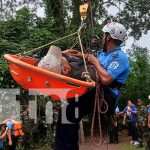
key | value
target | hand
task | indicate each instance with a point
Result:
(73, 52)
(10, 143)
(92, 59)
(7, 128)
(148, 125)
(129, 109)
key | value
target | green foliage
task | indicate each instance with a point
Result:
(135, 16)
(138, 84)
(131, 147)
(5, 78)
(23, 30)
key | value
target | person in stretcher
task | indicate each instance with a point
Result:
(62, 63)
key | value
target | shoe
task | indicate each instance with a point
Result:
(136, 143)
(132, 142)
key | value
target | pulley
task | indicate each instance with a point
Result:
(84, 11)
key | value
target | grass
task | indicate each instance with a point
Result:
(131, 147)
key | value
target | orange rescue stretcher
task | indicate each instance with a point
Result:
(30, 77)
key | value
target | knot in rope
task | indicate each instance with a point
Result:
(86, 75)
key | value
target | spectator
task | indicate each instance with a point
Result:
(14, 131)
(131, 115)
(142, 121)
(3, 132)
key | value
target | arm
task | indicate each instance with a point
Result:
(134, 111)
(9, 137)
(105, 77)
(124, 119)
(121, 113)
(149, 120)
(4, 134)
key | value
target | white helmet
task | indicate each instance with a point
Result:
(116, 30)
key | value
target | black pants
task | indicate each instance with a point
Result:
(134, 131)
(26, 140)
(113, 134)
(129, 128)
(14, 143)
(67, 134)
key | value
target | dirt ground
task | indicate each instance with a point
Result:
(124, 140)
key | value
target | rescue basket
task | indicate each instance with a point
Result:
(30, 77)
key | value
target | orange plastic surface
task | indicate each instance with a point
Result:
(30, 77)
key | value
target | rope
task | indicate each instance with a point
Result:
(91, 16)
(98, 104)
(38, 48)
(75, 43)
(81, 46)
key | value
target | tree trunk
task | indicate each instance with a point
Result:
(76, 14)
(54, 9)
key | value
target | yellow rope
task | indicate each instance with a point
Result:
(38, 48)
(86, 73)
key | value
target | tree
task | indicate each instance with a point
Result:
(8, 8)
(138, 84)
(54, 9)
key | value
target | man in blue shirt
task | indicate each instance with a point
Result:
(112, 66)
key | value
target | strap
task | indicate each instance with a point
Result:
(117, 85)
(17, 129)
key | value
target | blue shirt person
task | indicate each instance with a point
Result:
(116, 64)
(112, 67)
(132, 117)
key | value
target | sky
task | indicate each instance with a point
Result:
(144, 41)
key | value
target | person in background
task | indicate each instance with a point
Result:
(3, 133)
(142, 121)
(147, 133)
(27, 125)
(112, 67)
(131, 115)
(14, 131)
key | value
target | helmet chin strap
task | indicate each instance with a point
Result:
(105, 44)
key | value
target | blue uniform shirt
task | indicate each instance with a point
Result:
(148, 110)
(131, 117)
(116, 64)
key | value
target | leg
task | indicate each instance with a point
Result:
(111, 136)
(67, 134)
(14, 143)
(140, 135)
(116, 134)
(134, 132)
(129, 128)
